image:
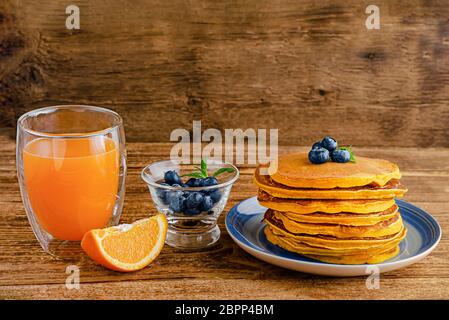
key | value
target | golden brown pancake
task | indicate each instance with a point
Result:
(379, 229)
(343, 218)
(390, 190)
(295, 170)
(308, 206)
(334, 245)
(359, 258)
(355, 257)
(306, 248)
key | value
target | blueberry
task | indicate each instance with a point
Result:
(207, 203)
(199, 183)
(162, 193)
(177, 201)
(329, 143)
(319, 155)
(340, 155)
(317, 145)
(210, 181)
(215, 195)
(192, 211)
(194, 200)
(194, 182)
(169, 194)
(206, 192)
(191, 182)
(171, 177)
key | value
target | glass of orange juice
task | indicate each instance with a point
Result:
(71, 165)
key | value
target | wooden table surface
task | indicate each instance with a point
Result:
(225, 271)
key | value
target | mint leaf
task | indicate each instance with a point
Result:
(351, 154)
(196, 174)
(202, 171)
(204, 168)
(223, 170)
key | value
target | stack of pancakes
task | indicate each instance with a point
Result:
(333, 212)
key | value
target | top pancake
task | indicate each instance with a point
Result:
(390, 190)
(295, 170)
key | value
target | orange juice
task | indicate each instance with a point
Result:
(72, 183)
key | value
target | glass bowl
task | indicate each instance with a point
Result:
(192, 212)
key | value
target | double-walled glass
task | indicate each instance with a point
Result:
(71, 165)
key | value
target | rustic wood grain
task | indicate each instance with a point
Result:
(225, 271)
(306, 67)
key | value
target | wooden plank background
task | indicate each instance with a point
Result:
(306, 67)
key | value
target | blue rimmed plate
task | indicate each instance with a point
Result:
(245, 226)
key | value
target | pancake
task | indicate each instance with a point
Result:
(360, 257)
(379, 229)
(307, 206)
(334, 244)
(295, 170)
(390, 190)
(343, 218)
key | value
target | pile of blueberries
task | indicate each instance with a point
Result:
(327, 149)
(189, 202)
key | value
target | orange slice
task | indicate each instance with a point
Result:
(127, 247)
